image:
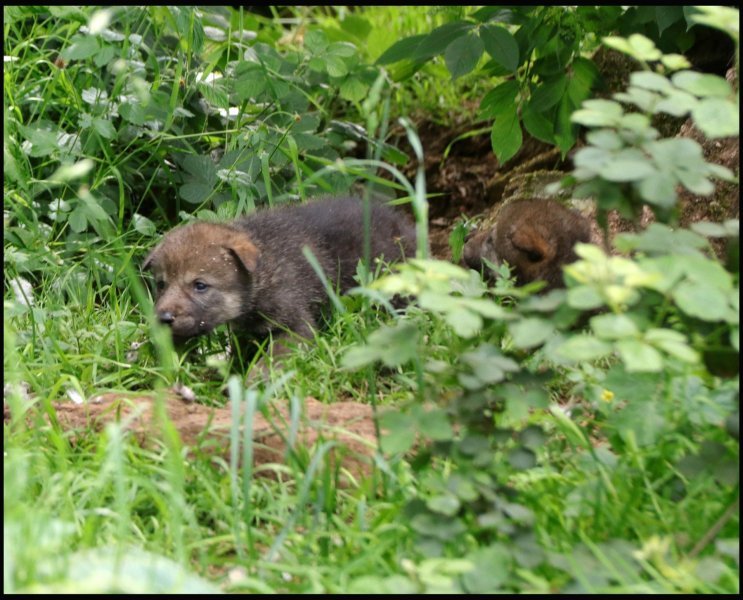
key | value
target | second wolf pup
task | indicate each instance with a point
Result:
(535, 236)
(252, 272)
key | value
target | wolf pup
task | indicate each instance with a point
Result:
(535, 236)
(252, 274)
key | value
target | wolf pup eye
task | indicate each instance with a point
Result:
(200, 286)
(160, 285)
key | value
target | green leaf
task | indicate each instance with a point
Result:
(104, 127)
(439, 39)
(462, 55)
(537, 124)
(488, 364)
(77, 220)
(336, 66)
(677, 104)
(501, 45)
(700, 301)
(701, 84)
(214, 94)
(598, 113)
(82, 47)
(639, 356)
(104, 56)
(315, 40)
(673, 343)
(659, 188)
(580, 348)
(650, 81)
(627, 165)
(249, 85)
(549, 93)
(522, 458)
(398, 433)
(613, 326)
(446, 504)
(636, 45)
(584, 297)
(506, 136)
(665, 16)
(435, 425)
(353, 89)
(143, 225)
(499, 100)
(401, 50)
(195, 193)
(530, 332)
(716, 117)
(464, 322)
(492, 568)
(640, 422)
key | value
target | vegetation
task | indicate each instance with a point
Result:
(585, 440)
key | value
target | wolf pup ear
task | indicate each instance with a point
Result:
(245, 251)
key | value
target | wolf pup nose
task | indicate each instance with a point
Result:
(535, 236)
(252, 274)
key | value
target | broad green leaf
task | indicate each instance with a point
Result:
(636, 45)
(250, 85)
(598, 113)
(580, 348)
(530, 332)
(335, 66)
(104, 127)
(462, 55)
(492, 568)
(665, 16)
(548, 94)
(678, 103)
(640, 422)
(398, 432)
(650, 81)
(104, 56)
(464, 322)
(195, 193)
(708, 304)
(613, 326)
(701, 84)
(627, 165)
(435, 425)
(315, 40)
(82, 47)
(77, 220)
(522, 458)
(500, 99)
(214, 94)
(639, 356)
(584, 297)
(659, 188)
(537, 124)
(353, 89)
(446, 504)
(439, 39)
(501, 45)
(717, 117)
(506, 135)
(401, 50)
(143, 225)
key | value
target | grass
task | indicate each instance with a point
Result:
(94, 511)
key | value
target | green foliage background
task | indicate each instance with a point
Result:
(585, 440)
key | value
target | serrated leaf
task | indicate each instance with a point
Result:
(501, 45)
(105, 128)
(143, 225)
(659, 188)
(335, 66)
(548, 93)
(353, 89)
(195, 193)
(627, 165)
(77, 220)
(214, 94)
(462, 55)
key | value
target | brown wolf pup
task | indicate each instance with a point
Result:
(252, 274)
(535, 236)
